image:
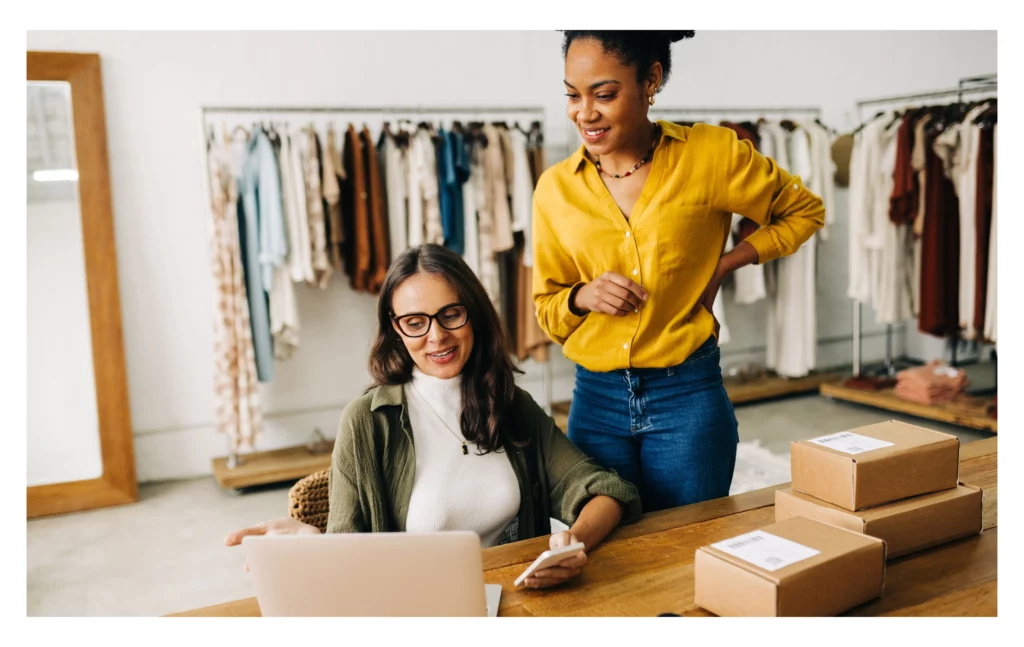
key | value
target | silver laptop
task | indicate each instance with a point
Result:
(368, 574)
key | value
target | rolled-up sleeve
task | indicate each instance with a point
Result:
(755, 186)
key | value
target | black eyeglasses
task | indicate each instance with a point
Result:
(417, 324)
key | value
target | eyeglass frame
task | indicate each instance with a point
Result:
(430, 320)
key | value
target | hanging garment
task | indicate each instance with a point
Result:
(445, 184)
(792, 320)
(358, 251)
(333, 177)
(396, 178)
(938, 311)
(320, 258)
(824, 173)
(918, 161)
(509, 272)
(522, 191)
(491, 176)
(774, 146)
(903, 202)
(864, 160)
(265, 245)
(957, 146)
(983, 217)
(538, 165)
(238, 411)
(470, 192)
(450, 179)
(496, 176)
(284, 313)
(889, 245)
(379, 238)
(531, 340)
(424, 210)
(300, 250)
(990, 297)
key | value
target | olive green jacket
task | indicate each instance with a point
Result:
(374, 465)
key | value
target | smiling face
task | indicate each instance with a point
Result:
(607, 104)
(441, 352)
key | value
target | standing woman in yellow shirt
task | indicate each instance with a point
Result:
(628, 241)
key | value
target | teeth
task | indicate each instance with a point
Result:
(444, 354)
(592, 133)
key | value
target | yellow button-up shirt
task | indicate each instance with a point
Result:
(670, 245)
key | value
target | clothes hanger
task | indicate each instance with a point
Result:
(827, 128)
(868, 122)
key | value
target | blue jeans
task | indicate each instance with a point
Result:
(671, 432)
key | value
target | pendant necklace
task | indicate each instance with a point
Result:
(461, 441)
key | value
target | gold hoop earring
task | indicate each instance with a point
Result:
(651, 100)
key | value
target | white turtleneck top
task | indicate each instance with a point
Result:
(452, 490)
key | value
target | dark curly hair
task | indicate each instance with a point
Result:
(641, 49)
(488, 378)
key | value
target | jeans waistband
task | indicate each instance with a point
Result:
(706, 350)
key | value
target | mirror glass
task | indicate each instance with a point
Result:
(63, 427)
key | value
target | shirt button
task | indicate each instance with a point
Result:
(625, 346)
(628, 234)
(635, 272)
(795, 187)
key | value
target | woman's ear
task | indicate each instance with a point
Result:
(653, 81)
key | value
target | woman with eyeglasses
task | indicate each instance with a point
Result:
(445, 440)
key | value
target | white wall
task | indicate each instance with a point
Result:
(155, 82)
(63, 427)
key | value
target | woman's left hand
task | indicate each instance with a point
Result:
(565, 571)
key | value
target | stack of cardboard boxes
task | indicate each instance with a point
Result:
(858, 498)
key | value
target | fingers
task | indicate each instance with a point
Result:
(235, 538)
(617, 291)
(611, 307)
(550, 577)
(628, 284)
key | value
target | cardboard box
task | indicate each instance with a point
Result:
(906, 526)
(797, 567)
(877, 464)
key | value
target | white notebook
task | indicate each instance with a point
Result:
(493, 593)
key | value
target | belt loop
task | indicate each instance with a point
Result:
(670, 371)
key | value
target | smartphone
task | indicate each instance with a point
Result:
(550, 558)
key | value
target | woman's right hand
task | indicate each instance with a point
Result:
(611, 294)
(282, 526)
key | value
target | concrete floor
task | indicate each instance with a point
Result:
(165, 553)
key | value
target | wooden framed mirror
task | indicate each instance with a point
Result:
(80, 449)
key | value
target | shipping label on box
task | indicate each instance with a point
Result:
(797, 567)
(875, 465)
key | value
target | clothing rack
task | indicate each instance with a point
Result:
(968, 85)
(412, 113)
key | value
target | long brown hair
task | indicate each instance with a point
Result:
(488, 378)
